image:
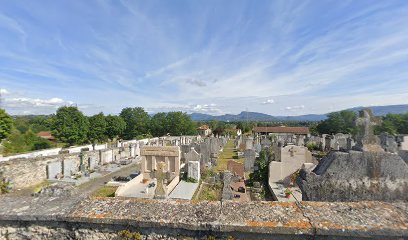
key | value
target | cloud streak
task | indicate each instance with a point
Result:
(267, 56)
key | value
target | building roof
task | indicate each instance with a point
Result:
(293, 130)
(46, 135)
(203, 127)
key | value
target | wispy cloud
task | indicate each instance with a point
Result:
(266, 56)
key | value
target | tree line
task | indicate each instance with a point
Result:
(71, 127)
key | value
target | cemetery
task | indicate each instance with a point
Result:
(187, 173)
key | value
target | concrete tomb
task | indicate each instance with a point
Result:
(161, 162)
(288, 160)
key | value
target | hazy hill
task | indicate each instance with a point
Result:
(255, 116)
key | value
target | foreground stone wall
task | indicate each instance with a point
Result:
(104, 218)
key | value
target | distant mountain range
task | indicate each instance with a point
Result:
(255, 116)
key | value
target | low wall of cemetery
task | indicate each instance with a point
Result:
(105, 218)
(24, 172)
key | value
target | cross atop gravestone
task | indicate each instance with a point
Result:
(160, 192)
(292, 152)
(366, 140)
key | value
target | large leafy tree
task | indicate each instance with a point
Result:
(180, 123)
(70, 126)
(115, 126)
(338, 122)
(394, 124)
(159, 125)
(137, 122)
(6, 124)
(97, 128)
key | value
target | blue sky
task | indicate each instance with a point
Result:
(276, 57)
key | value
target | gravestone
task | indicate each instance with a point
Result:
(194, 170)
(388, 143)
(54, 169)
(258, 148)
(160, 192)
(192, 155)
(92, 163)
(249, 143)
(366, 140)
(249, 163)
(265, 142)
(350, 143)
(69, 167)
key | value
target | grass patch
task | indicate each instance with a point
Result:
(37, 188)
(228, 154)
(105, 191)
(210, 192)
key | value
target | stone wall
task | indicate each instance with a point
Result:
(104, 218)
(24, 172)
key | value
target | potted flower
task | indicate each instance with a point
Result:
(287, 192)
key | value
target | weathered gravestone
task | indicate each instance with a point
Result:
(192, 155)
(366, 140)
(69, 167)
(194, 170)
(160, 192)
(257, 148)
(54, 169)
(388, 143)
(369, 174)
(92, 163)
(250, 156)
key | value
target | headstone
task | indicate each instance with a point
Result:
(194, 170)
(192, 155)
(54, 169)
(160, 192)
(258, 147)
(92, 163)
(366, 140)
(388, 143)
(69, 167)
(250, 156)
(249, 141)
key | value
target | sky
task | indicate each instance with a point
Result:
(210, 56)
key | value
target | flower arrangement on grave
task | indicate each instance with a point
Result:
(288, 192)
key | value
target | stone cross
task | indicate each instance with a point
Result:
(366, 140)
(292, 152)
(160, 175)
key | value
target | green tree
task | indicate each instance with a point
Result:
(394, 124)
(338, 122)
(180, 123)
(137, 122)
(115, 126)
(70, 126)
(159, 125)
(6, 124)
(97, 128)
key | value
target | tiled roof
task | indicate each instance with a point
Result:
(203, 127)
(45, 134)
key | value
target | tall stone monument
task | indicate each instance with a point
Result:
(366, 140)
